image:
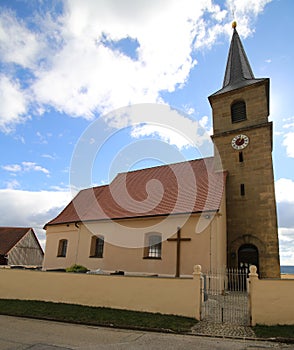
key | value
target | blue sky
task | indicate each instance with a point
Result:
(67, 64)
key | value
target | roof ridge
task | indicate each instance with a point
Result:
(99, 186)
(163, 165)
(16, 227)
(143, 169)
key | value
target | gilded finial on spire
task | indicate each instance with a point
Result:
(234, 24)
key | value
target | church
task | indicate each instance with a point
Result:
(203, 213)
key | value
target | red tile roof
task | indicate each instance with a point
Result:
(187, 187)
(9, 236)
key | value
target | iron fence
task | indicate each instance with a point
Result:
(225, 297)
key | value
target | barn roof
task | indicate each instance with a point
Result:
(10, 236)
(186, 187)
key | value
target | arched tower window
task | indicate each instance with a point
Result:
(62, 248)
(238, 111)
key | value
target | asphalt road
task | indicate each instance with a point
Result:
(27, 334)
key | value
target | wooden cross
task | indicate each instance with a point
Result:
(178, 240)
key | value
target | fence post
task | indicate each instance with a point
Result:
(198, 279)
(253, 278)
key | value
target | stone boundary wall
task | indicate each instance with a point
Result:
(270, 300)
(177, 296)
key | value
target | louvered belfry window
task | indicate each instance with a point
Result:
(238, 111)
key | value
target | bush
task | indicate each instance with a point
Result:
(77, 269)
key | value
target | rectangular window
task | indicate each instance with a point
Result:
(153, 250)
(62, 248)
(242, 189)
(97, 246)
(241, 158)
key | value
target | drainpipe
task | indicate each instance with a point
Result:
(78, 246)
(210, 252)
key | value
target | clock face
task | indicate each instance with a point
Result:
(240, 142)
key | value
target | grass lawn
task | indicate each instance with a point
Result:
(274, 331)
(98, 316)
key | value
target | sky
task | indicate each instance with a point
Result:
(70, 71)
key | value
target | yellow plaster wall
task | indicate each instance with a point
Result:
(221, 236)
(163, 295)
(271, 301)
(124, 249)
(69, 232)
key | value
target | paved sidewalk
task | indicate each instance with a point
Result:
(223, 330)
(29, 334)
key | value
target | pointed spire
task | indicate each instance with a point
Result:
(238, 67)
(238, 71)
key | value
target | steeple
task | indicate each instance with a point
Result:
(238, 71)
(238, 68)
(242, 136)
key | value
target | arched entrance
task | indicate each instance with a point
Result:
(247, 256)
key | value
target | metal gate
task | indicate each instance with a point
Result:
(225, 297)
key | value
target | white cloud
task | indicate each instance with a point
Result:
(76, 70)
(288, 142)
(33, 209)
(12, 167)
(25, 166)
(189, 110)
(180, 131)
(289, 119)
(12, 184)
(170, 125)
(289, 125)
(43, 139)
(31, 166)
(286, 238)
(244, 12)
(13, 103)
(284, 190)
(170, 136)
(105, 78)
(20, 138)
(49, 156)
(285, 205)
(17, 43)
(241, 7)
(204, 124)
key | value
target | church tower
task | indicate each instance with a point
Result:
(242, 135)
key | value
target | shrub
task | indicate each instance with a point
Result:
(77, 268)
